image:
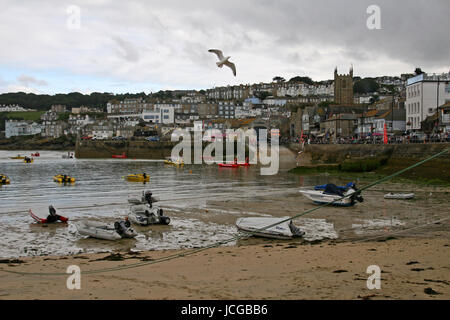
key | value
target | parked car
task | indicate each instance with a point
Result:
(119, 138)
(86, 138)
(154, 138)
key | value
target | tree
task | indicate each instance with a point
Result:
(306, 80)
(418, 71)
(279, 79)
(262, 95)
(366, 85)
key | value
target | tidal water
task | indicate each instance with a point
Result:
(203, 203)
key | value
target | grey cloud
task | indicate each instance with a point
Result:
(29, 80)
(126, 49)
(166, 42)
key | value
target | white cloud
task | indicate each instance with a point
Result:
(165, 43)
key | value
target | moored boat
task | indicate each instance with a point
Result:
(28, 160)
(399, 196)
(257, 226)
(99, 230)
(18, 157)
(140, 177)
(4, 179)
(228, 165)
(119, 156)
(174, 162)
(51, 218)
(63, 178)
(144, 213)
(333, 195)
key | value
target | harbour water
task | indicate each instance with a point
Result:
(203, 203)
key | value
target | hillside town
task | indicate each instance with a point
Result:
(410, 108)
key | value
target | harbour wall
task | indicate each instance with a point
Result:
(380, 158)
(100, 149)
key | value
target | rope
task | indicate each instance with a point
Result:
(248, 234)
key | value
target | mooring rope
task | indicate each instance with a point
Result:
(246, 235)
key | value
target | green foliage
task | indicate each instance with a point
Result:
(262, 95)
(64, 116)
(366, 85)
(73, 99)
(418, 71)
(306, 80)
(362, 165)
(279, 79)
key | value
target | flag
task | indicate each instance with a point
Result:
(385, 137)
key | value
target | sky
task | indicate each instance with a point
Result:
(56, 46)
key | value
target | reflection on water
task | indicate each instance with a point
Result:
(100, 193)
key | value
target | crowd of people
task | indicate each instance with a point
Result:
(372, 139)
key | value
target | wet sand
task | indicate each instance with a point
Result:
(410, 269)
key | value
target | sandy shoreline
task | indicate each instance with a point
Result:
(416, 268)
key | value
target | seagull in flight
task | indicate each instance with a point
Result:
(223, 61)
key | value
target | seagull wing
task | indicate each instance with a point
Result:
(232, 66)
(218, 52)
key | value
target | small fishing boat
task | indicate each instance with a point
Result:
(51, 218)
(144, 213)
(119, 156)
(140, 177)
(342, 188)
(69, 155)
(18, 157)
(228, 165)
(99, 230)
(281, 230)
(28, 160)
(174, 162)
(333, 195)
(399, 196)
(4, 179)
(244, 164)
(63, 178)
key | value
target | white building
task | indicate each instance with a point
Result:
(422, 94)
(21, 128)
(162, 114)
(14, 108)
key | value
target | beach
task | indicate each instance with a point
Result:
(411, 268)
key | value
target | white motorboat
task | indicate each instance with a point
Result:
(284, 230)
(333, 195)
(144, 213)
(100, 230)
(401, 196)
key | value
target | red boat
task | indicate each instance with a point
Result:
(119, 156)
(35, 154)
(228, 165)
(43, 220)
(244, 164)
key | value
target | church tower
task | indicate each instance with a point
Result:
(343, 87)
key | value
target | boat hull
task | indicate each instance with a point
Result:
(137, 178)
(281, 231)
(318, 197)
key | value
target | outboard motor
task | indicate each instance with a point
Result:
(148, 197)
(356, 196)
